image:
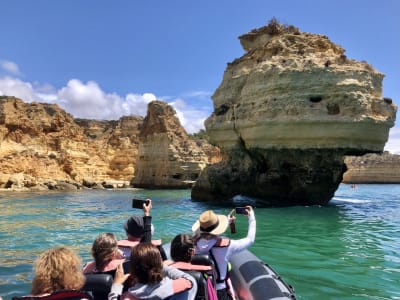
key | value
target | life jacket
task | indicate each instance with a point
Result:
(59, 295)
(126, 245)
(221, 242)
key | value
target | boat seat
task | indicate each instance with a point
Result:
(200, 277)
(59, 295)
(205, 260)
(99, 285)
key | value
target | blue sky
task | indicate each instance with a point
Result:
(104, 59)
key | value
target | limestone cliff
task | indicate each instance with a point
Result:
(43, 147)
(43, 144)
(372, 168)
(285, 115)
(167, 157)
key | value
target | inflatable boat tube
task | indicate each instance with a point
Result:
(252, 279)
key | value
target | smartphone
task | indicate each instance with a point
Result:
(138, 203)
(241, 210)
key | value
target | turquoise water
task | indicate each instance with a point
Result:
(347, 250)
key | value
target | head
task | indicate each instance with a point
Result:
(57, 269)
(182, 248)
(104, 248)
(134, 227)
(146, 264)
(210, 223)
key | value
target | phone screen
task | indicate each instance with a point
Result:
(138, 203)
(241, 210)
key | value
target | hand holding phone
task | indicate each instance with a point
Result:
(241, 210)
(138, 203)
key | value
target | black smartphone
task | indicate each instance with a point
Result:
(138, 203)
(241, 210)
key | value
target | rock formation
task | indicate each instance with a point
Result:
(40, 143)
(43, 147)
(372, 168)
(285, 115)
(167, 157)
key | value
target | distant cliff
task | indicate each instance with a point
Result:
(43, 147)
(372, 168)
(167, 157)
(285, 115)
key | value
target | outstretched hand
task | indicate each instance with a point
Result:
(147, 207)
(120, 277)
(249, 210)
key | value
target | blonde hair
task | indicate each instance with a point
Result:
(103, 249)
(56, 269)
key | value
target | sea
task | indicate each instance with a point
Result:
(348, 249)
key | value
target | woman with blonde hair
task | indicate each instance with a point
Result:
(57, 269)
(106, 255)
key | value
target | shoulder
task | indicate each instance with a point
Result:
(112, 265)
(181, 284)
(89, 267)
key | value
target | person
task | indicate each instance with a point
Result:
(182, 254)
(182, 248)
(208, 240)
(57, 269)
(106, 255)
(151, 279)
(139, 229)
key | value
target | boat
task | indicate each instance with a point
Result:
(251, 278)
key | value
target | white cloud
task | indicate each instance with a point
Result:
(191, 118)
(393, 144)
(10, 67)
(14, 87)
(89, 101)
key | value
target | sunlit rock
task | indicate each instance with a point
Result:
(286, 113)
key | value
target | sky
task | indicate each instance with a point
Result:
(103, 59)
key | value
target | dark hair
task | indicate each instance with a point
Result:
(146, 264)
(181, 247)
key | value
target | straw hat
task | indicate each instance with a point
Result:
(211, 223)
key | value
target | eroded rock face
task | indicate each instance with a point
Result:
(372, 168)
(42, 144)
(167, 157)
(286, 113)
(43, 147)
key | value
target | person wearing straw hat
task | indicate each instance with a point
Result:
(207, 235)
